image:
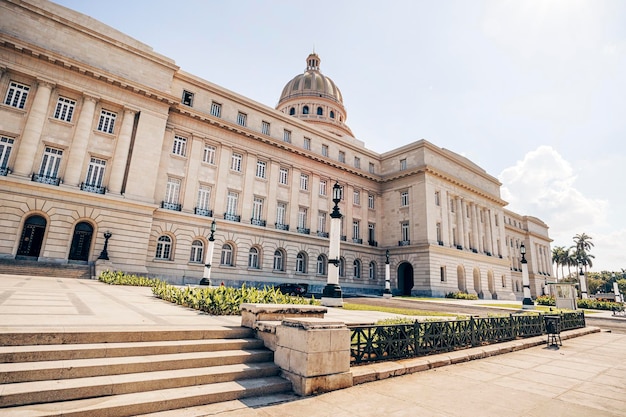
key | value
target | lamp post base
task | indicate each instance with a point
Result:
(528, 304)
(332, 296)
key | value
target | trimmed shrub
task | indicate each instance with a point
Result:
(461, 296)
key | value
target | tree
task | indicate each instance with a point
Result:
(560, 258)
(581, 248)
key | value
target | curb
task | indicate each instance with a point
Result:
(388, 369)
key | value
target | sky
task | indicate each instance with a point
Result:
(533, 91)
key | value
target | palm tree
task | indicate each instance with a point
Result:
(582, 245)
(559, 257)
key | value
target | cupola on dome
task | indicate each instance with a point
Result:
(315, 98)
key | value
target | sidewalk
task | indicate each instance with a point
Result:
(584, 377)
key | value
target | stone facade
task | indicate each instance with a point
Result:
(100, 133)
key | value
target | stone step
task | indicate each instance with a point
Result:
(38, 353)
(81, 368)
(123, 405)
(44, 269)
(71, 389)
(26, 338)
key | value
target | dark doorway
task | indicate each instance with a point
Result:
(81, 242)
(405, 278)
(32, 237)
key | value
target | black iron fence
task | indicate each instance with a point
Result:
(398, 341)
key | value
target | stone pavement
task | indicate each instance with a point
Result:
(584, 377)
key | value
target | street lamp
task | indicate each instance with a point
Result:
(209, 256)
(331, 295)
(527, 302)
(105, 254)
(583, 280)
(387, 292)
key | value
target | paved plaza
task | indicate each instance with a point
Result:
(584, 377)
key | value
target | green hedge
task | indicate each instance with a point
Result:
(589, 303)
(461, 296)
(219, 301)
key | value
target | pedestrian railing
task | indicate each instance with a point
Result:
(398, 341)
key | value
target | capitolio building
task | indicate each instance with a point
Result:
(104, 141)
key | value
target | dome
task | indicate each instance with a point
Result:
(315, 98)
(311, 83)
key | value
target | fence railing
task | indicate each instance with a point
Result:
(387, 342)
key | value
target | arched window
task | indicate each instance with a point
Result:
(253, 258)
(320, 111)
(197, 250)
(164, 248)
(372, 270)
(227, 255)
(342, 267)
(292, 111)
(305, 110)
(332, 114)
(279, 260)
(301, 261)
(321, 265)
(357, 268)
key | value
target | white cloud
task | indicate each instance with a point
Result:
(543, 185)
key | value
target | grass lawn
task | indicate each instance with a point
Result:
(392, 310)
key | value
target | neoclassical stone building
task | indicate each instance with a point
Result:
(99, 133)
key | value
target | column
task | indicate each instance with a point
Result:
(80, 141)
(445, 218)
(32, 131)
(459, 222)
(122, 149)
(476, 229)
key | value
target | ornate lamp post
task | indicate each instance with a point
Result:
(105, 254)
(387, 292)
(527, 302)
(209, 255)
(583, 280)
(331, 295)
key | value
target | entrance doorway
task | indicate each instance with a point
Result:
(81, 242)
(32, 237)
(405, 278)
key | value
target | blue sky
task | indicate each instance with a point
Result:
(532, 91)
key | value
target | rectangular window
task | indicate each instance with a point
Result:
(323, 189)
(404, 198)
(265, 128)
(496, 220)
(180, 145)
(51, 162)
(405, 231)
(172, 192)
(357, 162)
(372, 169)
(307, 144)
(242, 118)
(357, 197)
(257, 208)
(437, 198)
(204, 197)
(321, 222)
(187, 98)
(235, 162)
(281, 209)
(442, 273)
(6, 145)
(106, 123)
(16, 95)
(371, 233)
(402, 164)
(356, 229)
(439, 239)
(452, 205)
(216, 109)
(370, 202)
(231, 202)
(283, 176)
(95, 172)
(324, 150)
(304, 182)
(261, 168)
(65, 109)
(302, 212)
(287, 136)
(209, 154)
(342, 156)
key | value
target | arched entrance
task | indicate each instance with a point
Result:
(405, 278)
(81, 242)
(477, 284)
(32, 237)
(491, 285)
(460, 277)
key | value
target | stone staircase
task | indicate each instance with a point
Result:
(44, 269)
(128, 373)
